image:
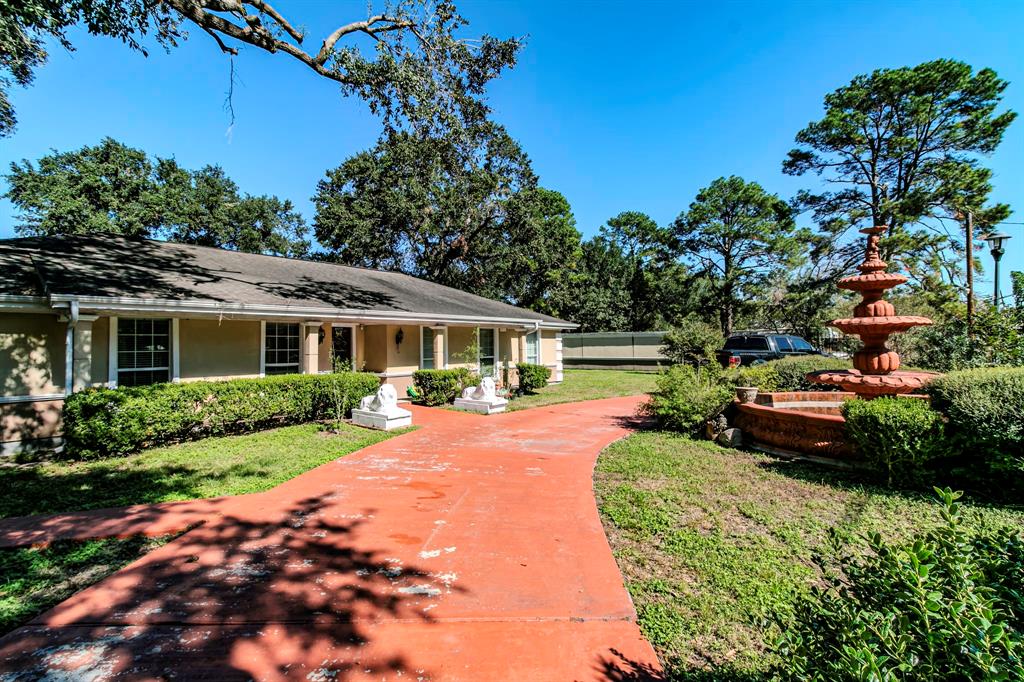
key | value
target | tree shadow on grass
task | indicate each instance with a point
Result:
(259, 594)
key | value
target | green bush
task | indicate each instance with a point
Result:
(985, 409)
(442, 386)
(995, 339)
(102, 422)
(787, 374)
(686, 398)
(692, 342)
(532, 377)
(947, 606)
(898, 437)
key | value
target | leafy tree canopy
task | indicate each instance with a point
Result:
(741, 237)
(111, 187)
(902, 146)
(418, 72)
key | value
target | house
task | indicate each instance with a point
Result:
(105, 310)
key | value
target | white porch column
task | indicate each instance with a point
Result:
(558, 358)
(81, 364)
(175, 350)
(112, 354)
(440, 357)
(309, 347)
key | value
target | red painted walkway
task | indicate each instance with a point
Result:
(469, 549)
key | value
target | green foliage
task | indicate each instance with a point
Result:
(692, 341)
(996, 339)
(985, 409)
(898, 437)
(686, 398)
(946, 606)
(786, 374)
(902, 147)
(114, 188)
(442, 386)
(741, 237)
(532, 377)
(105, 422)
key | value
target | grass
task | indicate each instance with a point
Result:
(228, 465)
(33, 580)
(587, 384)
(714, 543)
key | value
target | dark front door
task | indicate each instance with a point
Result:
(341, 345)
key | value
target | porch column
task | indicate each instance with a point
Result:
(558, 358)
(81, 364)
(440, 358)
(309, 347)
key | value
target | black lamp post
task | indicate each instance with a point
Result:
(995, 241)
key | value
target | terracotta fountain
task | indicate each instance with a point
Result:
(810, 422)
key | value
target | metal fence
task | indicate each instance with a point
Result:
(638, 351)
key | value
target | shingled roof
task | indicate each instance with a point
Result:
(117, 267)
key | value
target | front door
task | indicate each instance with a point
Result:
(341, 347)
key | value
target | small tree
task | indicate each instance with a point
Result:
(692, 342)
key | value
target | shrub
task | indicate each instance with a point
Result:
(532, 377)
(442, 386)
(102, 422)
(985, 409)
(898, 437)
(995, 339)
(945, 607)
(692, 342)
(686, 398)
(787, 374)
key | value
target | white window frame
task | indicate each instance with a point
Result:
(526, 346)
(422, 358)
(263, 348)
(113, 369)
(479, 358)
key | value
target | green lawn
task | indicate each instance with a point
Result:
(713, 542)
(33, 580)
(228, 465)
(587, 384)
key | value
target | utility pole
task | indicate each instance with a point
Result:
(970, 271)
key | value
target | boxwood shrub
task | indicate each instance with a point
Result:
(442, 386)
(985, 409)
(532, 377)
(898, 437)
(787, 374)
(101, 422)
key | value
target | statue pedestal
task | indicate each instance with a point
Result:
(481, 406)
(382, 421)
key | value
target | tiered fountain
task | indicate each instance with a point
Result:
(810, 422)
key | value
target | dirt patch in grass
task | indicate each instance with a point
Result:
(713, 544)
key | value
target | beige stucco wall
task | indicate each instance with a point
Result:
(460, 341)
(212, 349)
(30, 420)
(375, 347)
(405, 358)
(548, 347)
(31, 354)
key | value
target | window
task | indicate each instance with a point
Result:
(427, 348)
(784, 344)
(143, 352)
(487, 353)
(533, 348)
(801, 344)
(281, 348)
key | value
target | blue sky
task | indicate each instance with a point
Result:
(621, 106)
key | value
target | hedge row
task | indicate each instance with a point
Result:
(532, 377)
(442, 386)
(104, 422)
(787, 374)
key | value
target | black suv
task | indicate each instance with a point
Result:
(755, 348)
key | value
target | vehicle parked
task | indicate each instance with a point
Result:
(755, 348)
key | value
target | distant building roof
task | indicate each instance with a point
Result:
(104, 271)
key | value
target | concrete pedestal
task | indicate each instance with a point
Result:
(394, 419)
(481, 406)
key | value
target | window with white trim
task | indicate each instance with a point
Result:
(143, 351)
(488, 366)
(427, 348)
(281, 348)
(533, 348)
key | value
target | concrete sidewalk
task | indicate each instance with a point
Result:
(469, 549)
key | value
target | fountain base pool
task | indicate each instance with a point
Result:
(806, 424)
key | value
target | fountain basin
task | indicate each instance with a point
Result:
(807, 424)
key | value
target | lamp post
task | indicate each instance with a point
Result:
(995, 241)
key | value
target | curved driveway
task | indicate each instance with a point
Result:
(469, 549)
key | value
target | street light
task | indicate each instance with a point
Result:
(995, 241)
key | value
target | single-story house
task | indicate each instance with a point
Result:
(106, 310)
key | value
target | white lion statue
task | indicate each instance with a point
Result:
(485, 391)
(385, 400)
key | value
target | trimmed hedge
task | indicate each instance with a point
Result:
(787, 374)
(532, 377)
(898, 437)
(102, 422)
(442, 386)
(686, 398)
(985, 409)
